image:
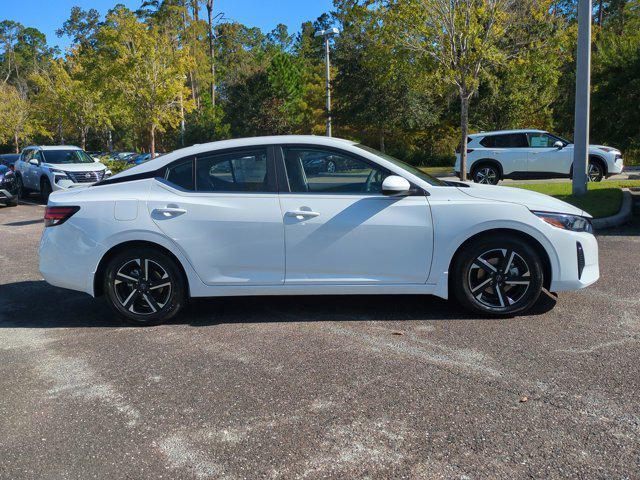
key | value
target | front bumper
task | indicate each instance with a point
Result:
(7, 195)
(577, 270)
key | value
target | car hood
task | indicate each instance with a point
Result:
(77, 167)
(532, 200)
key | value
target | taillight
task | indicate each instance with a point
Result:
(57, 215)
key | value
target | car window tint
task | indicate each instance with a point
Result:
(541, 140)
(181, 175)
(325, 171)
(243, 171)
(511, 140)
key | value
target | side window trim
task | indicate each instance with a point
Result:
(284, 178)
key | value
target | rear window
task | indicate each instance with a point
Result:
(511, 140)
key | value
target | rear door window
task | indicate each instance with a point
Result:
(510, 140)
(239, 171)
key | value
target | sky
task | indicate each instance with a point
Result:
(49, 15)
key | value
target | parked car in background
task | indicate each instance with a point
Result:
(9, 191)
(9, 159)
(138, 159)
(525, 154)
(242, 217)
(46, 169)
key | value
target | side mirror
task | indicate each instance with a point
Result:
(34, 161)
(559, 145)
(395, 185)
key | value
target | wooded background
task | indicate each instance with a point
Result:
(176, 72)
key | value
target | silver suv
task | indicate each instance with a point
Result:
(46, 169)
(521, 154)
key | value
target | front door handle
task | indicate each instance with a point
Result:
(169, 212)
(302, 214)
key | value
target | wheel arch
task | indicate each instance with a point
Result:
(98, 287)
(532, 241)
(602, 161)
(486, 161)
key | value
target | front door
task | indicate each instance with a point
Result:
(547, 159)
(339, 228)
(222, 210)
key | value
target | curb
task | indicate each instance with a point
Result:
(620, 218)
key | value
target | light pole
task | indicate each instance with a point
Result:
(327, 34)
(583, 85)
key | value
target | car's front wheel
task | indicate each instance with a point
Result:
(497, 275)
(45, 189)
(144, 286)
(595, 172)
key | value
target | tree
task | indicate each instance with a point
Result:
(212, 57)
(16, 120)
(143, 68)
(462, 37)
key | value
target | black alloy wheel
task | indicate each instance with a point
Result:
(144, 286)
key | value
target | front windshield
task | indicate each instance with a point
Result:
(66, 156)
(405, 166)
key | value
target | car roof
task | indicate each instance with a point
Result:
(167, 158)
(502, 132)
(53, 147)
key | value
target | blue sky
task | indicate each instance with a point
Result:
(48, 15)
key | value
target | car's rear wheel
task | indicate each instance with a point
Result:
(144, 286)
(486, 174)
(497, 276)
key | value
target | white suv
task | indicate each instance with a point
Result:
(521, 154)
(46, 169)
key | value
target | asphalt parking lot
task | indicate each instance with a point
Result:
(318, 387)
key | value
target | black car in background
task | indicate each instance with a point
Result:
(9, 193)
(9, 159)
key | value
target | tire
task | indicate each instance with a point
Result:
(486, 174)
(14, 201)
(45, 189)
(144, 301)
(595, 172)
(21, 189)
(479, 281)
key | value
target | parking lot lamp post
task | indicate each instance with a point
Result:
(327, 34)
(583, 84)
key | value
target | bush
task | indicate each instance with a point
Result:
(116, 166)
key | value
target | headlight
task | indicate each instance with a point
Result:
(566, 222)
(58, 172)
(107, 173)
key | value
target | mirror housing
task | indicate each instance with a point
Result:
(396, 185)
(34, 161)
(559, 145)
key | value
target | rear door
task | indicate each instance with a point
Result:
(340, 229)
(510, 149)
(221, 209)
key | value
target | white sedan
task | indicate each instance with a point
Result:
(256, 217)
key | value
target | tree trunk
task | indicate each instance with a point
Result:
(153, 141)
(600, 13)
(109, 140)
(464, 127)
(83, 138)
(16, 143)
(382, 145)
(212, 53)
(195, 9)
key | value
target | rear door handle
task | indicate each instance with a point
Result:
(302, 214)
(169, 212)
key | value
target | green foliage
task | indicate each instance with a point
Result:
(133, 79)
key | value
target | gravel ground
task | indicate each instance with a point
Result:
(313, 387)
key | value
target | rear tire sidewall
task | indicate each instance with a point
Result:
(469, 254)
(178, 286)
